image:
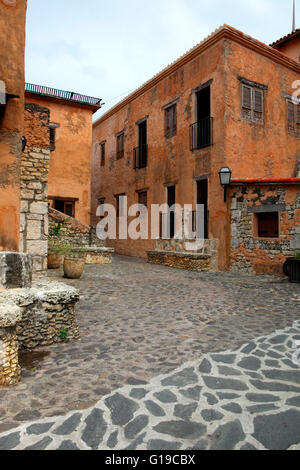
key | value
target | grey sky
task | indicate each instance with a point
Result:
(108, 48)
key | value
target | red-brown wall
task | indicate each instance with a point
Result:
(12, 32)
(250, 150)
(70, 163)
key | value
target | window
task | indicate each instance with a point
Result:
(101, 204)
(65, 206)
(120, 205)
(102, 153)
(120, 145)
(140, 153)
(293, 116)
(252, 104)
(267, 225)
(143, 198)
(52, 139)
(171, 121)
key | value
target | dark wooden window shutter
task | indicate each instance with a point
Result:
(258, 101)
(171, 121)
(291, 114)
(52, 138)
(246, 97)
(298, 114)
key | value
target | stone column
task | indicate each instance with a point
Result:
(34, 185)
(10, 371)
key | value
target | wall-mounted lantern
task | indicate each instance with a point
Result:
(225, 179)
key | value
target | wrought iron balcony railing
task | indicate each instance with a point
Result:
(140, 157)
(67, 95)
(201, 134)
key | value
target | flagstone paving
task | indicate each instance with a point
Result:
(138, 321)
(233, 400)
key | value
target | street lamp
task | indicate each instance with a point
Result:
(225, 179)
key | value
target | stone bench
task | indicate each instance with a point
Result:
(180, 260)
(98, 255)
(47, 309)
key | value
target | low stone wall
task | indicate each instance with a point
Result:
(99, 255)
(208, 247)
(47, 312)
(189, 261)
(74, 232)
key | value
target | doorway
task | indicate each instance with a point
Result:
(202, 198)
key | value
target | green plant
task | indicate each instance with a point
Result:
(76, 252)
(57, 247)
(57, 230)
(297, 255)
(63, 334)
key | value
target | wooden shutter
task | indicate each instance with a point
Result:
(258, 100)
(170, 121)
(246, 97)
(167, 123)
(290, 113)
(102, 154)
(298, 114)
(52, 138)
(174, 120)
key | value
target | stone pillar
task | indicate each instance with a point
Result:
(10, 371)
(34, 186)
(15, 270)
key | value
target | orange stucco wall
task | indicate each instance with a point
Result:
(250, 150)
(12, 32)
(292, 49)
(169, 159)
(70, 163)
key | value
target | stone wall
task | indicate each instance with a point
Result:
(252, 254)
(208, 248)
(34, 186)
(47, 311)
(188, 261)
(74, 232)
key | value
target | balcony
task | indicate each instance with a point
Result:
(201, 134)
(140, 157)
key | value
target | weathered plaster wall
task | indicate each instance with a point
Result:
(34, 185)
(12, 33)
(70, 163)
(292, 49)
(261, 255)
(169, 159)
(250, 150)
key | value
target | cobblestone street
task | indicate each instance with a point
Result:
(140, 323)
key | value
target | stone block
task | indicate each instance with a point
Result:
(34, 230)
(39, 208)
(37, 247)
(15, 270)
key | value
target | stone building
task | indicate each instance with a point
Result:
(228, 102)
(70, 143)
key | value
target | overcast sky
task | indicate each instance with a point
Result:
(107, 48)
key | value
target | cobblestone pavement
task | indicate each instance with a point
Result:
(248, 399)
(138, 321)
